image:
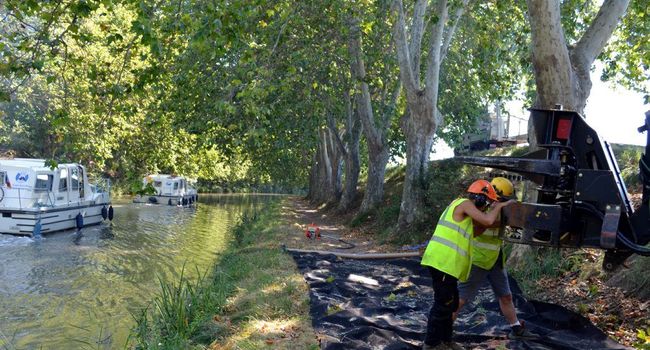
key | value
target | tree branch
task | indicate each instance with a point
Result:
(417, 32)
(451, 30)
(435, 45)
(331, 124)
(401, 45)
(364, 105)
(593, 41)
(277, 39)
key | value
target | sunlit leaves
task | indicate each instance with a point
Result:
(627, 57)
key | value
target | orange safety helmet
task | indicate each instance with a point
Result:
(483, 187)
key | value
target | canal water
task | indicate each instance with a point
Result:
(71, 290)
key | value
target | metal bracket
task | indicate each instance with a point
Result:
(610, 226)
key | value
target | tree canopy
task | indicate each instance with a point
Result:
(241, 90)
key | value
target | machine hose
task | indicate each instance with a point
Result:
(359, 256)
(636, 248)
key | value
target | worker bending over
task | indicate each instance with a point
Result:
(488, 263)
(448, 257)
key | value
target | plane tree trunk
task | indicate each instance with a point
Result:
(374, 129)
(562, 72)
(423, 118)
(349, 148)
(325, 175)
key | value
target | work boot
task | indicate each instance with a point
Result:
(521, 333)
(440, 346)
(452, 345)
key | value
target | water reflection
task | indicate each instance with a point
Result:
(79, 289)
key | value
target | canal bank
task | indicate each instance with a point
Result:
(82, 289)
(254, 298)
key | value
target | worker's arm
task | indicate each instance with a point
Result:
(497, 222)
(467, 208)
(478, 228)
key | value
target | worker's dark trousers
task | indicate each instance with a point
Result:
(445, 302)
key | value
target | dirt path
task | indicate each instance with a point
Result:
(299, 213)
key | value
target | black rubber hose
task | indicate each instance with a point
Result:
(636, 248)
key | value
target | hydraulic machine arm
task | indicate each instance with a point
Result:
(581, 199)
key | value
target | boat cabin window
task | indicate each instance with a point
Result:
(74, 176)
(175, 185)
(3, 178)
(157, 184)
(43, 182)
(63, 180)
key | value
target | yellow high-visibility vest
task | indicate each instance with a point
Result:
(486, 247)
(450, 247)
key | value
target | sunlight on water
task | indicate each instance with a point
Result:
(79, 290)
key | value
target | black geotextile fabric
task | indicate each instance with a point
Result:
(384, 304)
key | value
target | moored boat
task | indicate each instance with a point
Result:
(166, 189)
(38, 198)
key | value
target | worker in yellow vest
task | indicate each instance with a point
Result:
(449, 254)
(488, 264)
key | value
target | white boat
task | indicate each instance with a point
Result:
(166, 189)
(36, 198)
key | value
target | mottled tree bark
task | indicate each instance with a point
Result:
(349, 148)
(374, 130)
(423, 118)
(325, 176)
(562, 72)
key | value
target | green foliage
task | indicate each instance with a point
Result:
(52, 164)
(643, 339)
(147, 190)
(179, 313)
(234, 92)
(542, 263)
(446, 180)
(487, 62)
(627, 157)
(627, 57)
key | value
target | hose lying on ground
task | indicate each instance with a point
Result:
(360, 256)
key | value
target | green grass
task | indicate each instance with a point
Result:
(253, 298)
(541, 263)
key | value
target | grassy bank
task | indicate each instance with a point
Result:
(254, 298)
